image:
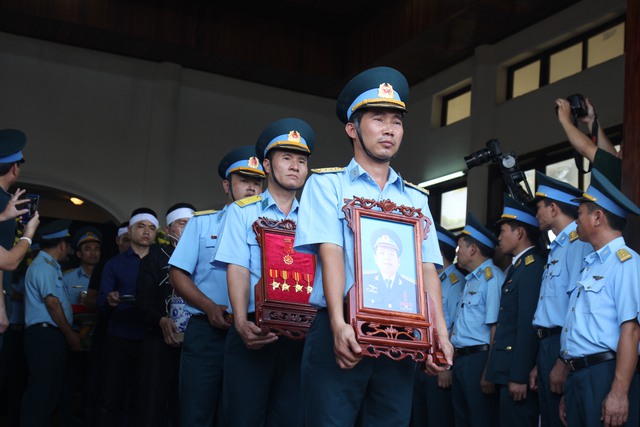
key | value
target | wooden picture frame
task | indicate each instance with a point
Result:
(282, 293)
(387, 305)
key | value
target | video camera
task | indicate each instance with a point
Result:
(511, 174)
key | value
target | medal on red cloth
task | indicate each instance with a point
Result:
(274, 282)
(288, 251)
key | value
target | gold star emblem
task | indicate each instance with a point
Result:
(298, 288)
(309, 289)
(275, 285)
(285, 287)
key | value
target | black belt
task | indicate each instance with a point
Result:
(16, 327)
(591, 360)
(464, 351)
(548, 332)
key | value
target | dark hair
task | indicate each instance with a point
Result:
(144, 211)
(485, 250)
(448, 252)
(615, 222)
(6, 167)
(567, 209)
(52, 243)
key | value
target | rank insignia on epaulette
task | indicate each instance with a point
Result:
(327, 170)
(623, 255)
(415, 187)
(248, 201)
(528, 260)
(573, 236)
(488, 274)
(207, 212)
(453, 278)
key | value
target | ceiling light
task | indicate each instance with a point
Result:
(76, 201)
(435, 181)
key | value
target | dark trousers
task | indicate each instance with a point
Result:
(201, 365)
(523, 413)
(268, 378)
(377, 392)
(471, 406)
(158, 403)
(432, 405)
(549, 401)
(119, 364)
(48, 364)
(14, 360)
(586, 389)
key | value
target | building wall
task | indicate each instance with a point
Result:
(123, 132)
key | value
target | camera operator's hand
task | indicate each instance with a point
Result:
(31, 226)
(564, 112)
(12, 211)
(591, 115)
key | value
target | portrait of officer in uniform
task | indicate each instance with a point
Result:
(384, 286)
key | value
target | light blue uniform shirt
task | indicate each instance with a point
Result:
(75, 281)
(44, 278)
(479, 307)
(561, 272)
(321, 219)
(452, 286)
(239, 245)
(607, 295)
(193, 255)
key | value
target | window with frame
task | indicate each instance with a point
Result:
(571, 57)
(456, 106)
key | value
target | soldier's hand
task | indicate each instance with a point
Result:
(73, 339)
(447, 349)
(557, 377)
(169, 331)
(615, 409)
(113, 298)
(31, 226)
(517, 391)
(533, 378)
(444, 379)
(4, 320)
(216, 316)
(564, 111)
(562, 411)
(252, 336)
(348, 351)
(487, 387)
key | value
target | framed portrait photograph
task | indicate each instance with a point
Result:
(282, 293)
(388, 306)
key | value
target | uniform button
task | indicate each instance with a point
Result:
(506, 290)
(566, 352)
(573, 309)
(541, 298)
(500, 308)
(566, 329)
(508, 348)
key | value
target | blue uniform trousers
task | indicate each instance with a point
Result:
(262, 387)
(547, 357)
(586, 389)
(201, 365)
(471, 407)
(376, 392)
(432, 405)
(49, 369)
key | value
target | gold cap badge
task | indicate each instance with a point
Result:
(385, 91)
(294, 136)
(253, 162)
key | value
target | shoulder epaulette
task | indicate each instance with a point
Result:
(327, 170)
(207, 212)
(488, 274)
(529, 259)
(453, 278)
(68, 271)
(415, 187)
(623, 255)
(248, 201)
(573, 236)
